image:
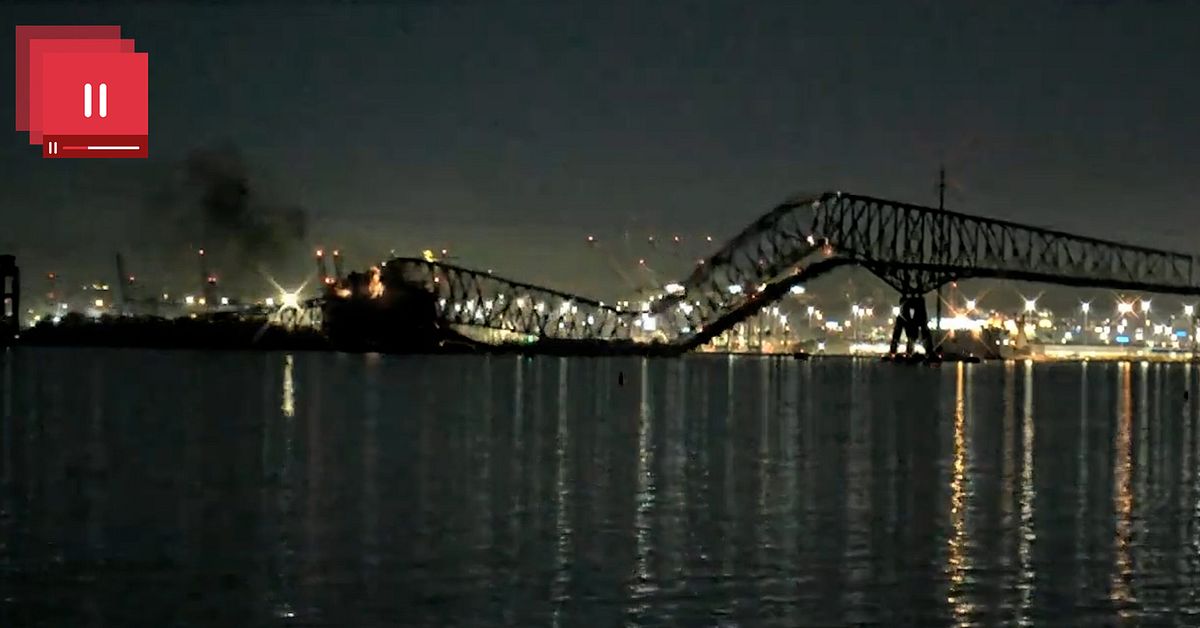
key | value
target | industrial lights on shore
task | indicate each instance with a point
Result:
(1030, 305)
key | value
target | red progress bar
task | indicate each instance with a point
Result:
(95, 146)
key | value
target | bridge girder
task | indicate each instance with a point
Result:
(913, 249)
(479, 299)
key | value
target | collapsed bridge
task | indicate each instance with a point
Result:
(914, 249)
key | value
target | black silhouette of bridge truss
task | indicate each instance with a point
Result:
(913, 249)
(480, 299)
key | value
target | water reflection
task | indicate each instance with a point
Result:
(1122, 571)
(959, 552)
(369, 490)
(1026, 533)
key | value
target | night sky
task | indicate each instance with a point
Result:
(509, 131)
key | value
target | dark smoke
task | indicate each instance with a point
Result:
(211, 201)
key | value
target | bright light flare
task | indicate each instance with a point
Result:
(375, 286)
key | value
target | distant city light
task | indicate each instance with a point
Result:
(1124, 308)
(1085, 307)
(1146, 306)
(797, 289)
(99, 302)
(189, 299)
(673, 288)
(970, 305)
(1189, 309)
(224, 300)
(1030, 305)
(288, 299)
(735, 289)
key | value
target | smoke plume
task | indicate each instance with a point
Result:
(211, 201)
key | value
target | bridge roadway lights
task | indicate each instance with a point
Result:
(913, 321)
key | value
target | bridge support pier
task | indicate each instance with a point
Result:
(913, 322)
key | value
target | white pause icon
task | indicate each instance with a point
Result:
(87, 100)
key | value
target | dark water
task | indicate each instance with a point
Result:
(190, 489)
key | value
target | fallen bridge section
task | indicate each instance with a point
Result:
(480, 299)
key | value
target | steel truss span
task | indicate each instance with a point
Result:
(912, 248)
(480, 299)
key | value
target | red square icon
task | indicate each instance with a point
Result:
(26, 35)
(38, 49)
(94, 104)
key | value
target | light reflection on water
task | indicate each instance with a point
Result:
(191, 489)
